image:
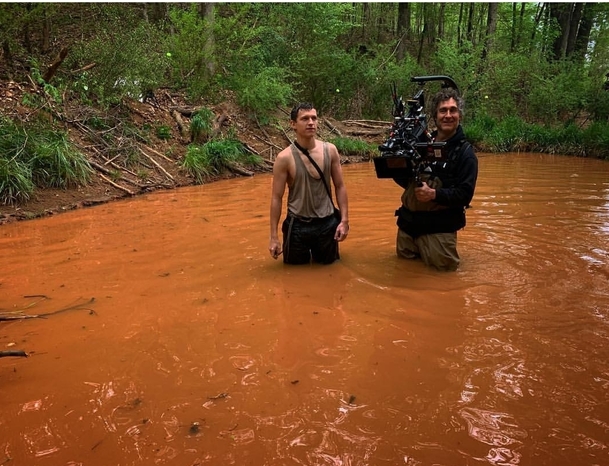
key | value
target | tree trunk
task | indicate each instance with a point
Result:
(206, 10)
(583, 33)
(470, 23)
(562, 13)
(441, 21)
(574, 27)
(491, 26)
(513, 29)
(459, 24)
(403, 30)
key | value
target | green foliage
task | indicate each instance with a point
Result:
(202, 161)
(262, 93)
(352, 146)
(128, 63)
(163, 132)
(37, 156)
(15, 181)
(190, 52)
(55, 162)
(201, 125)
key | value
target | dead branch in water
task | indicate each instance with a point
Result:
(13, 353)
(21, 316)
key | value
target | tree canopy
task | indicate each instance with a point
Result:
(545, 62)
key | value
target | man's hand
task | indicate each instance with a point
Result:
(342, 230)
(275, 248)
(425, 193)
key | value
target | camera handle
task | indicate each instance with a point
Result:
(447, 81)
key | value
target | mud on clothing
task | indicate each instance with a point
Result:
(309, 227)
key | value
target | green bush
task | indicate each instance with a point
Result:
(129, 62)
(37, 156)
(56, 163)
(351, 146)
(202, 161)
(262, 92)
(201, 125)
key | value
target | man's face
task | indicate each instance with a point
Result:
(447, 116)
(306, 123)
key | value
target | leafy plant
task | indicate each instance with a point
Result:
(56, 163)
(216, 156)
(201, 125)
(37, 156)
(15, 181)
(352, 146)
(163, 132)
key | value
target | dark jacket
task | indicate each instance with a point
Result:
(454, 180)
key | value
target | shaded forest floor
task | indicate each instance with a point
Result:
(138, 147)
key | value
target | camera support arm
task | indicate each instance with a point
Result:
(447, 81)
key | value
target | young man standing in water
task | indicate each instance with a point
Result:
(432, 212)
(311, 230)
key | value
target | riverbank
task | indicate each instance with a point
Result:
(139, 147)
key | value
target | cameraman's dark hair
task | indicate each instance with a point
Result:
(298, 107)
(442, 96)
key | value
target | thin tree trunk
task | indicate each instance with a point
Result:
(403, 30)
(491, 26)
(459, 24)
(583, 33)
(206, 10)
(470, 23)
(562, 12)
(573, 28)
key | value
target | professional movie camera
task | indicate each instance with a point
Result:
(410, 148)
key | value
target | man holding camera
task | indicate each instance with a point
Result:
(312, 227)
(433, 205)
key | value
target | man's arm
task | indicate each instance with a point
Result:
(341, 194)
(280, 178)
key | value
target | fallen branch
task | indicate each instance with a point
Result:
(180, 122)
(332, 128)
(266, 142)
(122, 188)
(240, 171)
(85, 68)
(13, 353)
(51, 70)
(367, 122)
(157, 164)
(159, 154)
(46, 314)
(109, 173)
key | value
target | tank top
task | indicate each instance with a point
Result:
(307, 195)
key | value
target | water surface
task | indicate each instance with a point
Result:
(199, 348)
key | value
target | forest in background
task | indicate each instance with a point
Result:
(535, 76)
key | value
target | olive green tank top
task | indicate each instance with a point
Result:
(307, 195)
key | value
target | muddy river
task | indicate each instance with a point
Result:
(168, 336)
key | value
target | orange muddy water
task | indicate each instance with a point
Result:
(173, 338)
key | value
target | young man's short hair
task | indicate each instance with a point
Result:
(297, 108)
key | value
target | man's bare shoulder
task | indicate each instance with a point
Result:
(283, 159)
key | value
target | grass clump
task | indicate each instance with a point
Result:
(37, 156)
(351, 146)
(216, 156)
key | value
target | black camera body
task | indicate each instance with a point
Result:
(409, 149)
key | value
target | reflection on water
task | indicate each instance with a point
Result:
(200, 349)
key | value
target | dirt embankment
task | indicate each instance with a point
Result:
(138, 147)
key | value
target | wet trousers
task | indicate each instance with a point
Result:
(306, 240)
(437, 250)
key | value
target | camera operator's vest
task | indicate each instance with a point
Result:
(418, 218)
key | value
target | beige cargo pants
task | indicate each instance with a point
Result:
(438, 250)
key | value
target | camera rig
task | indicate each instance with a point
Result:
(410, 149)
